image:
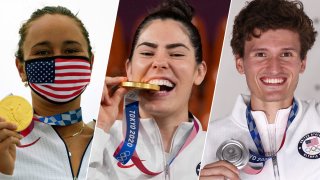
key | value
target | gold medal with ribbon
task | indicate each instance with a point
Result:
(17, 110)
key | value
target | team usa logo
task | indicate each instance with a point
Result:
(309, 146)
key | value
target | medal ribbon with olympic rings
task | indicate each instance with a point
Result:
(260, 157)
(126, 149)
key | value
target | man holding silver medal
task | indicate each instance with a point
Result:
(270, 134)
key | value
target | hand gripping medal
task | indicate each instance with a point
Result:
(140, 85)
(234, 152)
(17, 110)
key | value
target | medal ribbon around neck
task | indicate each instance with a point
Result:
(260, 157)
(63, 119)
(126, 149)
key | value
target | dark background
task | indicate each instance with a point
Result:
(210, 18)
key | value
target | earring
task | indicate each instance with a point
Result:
(26, 84)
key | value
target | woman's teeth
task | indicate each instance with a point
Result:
(161, 82)
(165, 85)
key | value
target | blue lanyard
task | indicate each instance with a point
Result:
(130, 142)
(260, 157)
(63, 119)
(126, 149)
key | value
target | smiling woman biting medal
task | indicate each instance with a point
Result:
(158, 135)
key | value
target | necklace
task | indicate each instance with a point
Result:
(77, 133)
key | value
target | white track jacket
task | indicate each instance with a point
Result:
(48, 159)
(299, 157)
(150, 150)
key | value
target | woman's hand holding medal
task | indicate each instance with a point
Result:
(15, 115)
(113, 92)
(111, 97)
(9, 138)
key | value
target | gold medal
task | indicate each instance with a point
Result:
(140, 85)
(17, 110)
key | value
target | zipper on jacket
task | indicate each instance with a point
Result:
(273, 151)
(275, 167)
(167, 166)
(75, 177)
(167, 171)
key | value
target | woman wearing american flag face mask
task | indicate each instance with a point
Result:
(54, 59)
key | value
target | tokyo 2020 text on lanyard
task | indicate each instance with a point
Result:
(126, 149)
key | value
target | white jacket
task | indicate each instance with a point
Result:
(292, 164)
(47, 159)
(150, 149)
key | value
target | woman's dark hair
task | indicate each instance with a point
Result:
(49, 10)
(177, 10)
(262, 15)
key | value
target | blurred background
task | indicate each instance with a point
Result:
(210, 19)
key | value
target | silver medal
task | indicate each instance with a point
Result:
(234, 152)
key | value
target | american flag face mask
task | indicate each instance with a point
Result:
(58, 79)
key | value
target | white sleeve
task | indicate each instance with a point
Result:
(209, 152)
(97, 167)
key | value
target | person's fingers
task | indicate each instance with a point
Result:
(105, 95)
(10, 141)
(220, 169)
(225, 164)
(117, 96)
(219, 172)
(8, 125)
(5, 133)
(212, 178)
(110, 88)
(114, 80)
